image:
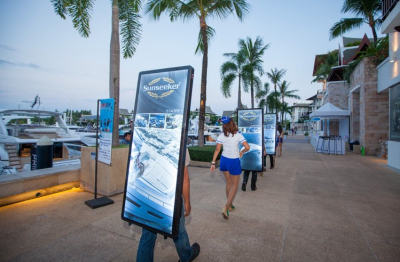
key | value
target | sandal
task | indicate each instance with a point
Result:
(225, 213)
(232, 208)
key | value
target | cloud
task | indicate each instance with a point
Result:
(5, 47)
(29, 65)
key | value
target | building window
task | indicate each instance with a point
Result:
(394, 105)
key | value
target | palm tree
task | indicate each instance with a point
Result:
(124, 13)
(286, 110)
(262, 95)
(369, 12)
(274, 105)
(201, 9)
(324, 69)
(285, 92)
(231, 70)
(253, 53)
(275, 76)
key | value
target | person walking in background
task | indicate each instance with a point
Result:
(145, 252)
(229, 139)
(246, 175)
(127, 139)
(277, 139)
(280, 141)
(254, 174)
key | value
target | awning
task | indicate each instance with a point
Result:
(330, 111)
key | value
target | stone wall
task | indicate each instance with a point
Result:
(374, 107)
(337, 94)
(355, 116)
(333, 127)
(110, 178)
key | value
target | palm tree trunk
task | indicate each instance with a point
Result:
(239, 104)
(276, 104)
(374, 34)
(252, 93)
(114, 69)
(283, 100)
(203, 86)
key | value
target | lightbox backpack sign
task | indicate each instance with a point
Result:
(270, 133)
(156, 161)
(250, 124)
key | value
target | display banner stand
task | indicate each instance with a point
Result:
(156, 158)
(101, 201)
(250, 124)
(270, 133)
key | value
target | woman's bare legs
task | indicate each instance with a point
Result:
(232, 184)
(280, 148)
(228, 182)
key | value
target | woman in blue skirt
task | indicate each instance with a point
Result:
(229, 139)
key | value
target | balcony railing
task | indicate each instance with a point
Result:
(387, 6)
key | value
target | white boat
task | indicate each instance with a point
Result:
(18, 134)
(210, 132)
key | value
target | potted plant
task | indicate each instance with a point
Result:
(306, 135)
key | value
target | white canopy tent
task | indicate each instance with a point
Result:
(331, 112)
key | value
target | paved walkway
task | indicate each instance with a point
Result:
(311, 207)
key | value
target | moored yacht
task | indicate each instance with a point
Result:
(18, 134)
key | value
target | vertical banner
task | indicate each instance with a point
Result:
(106, 129)
(270, 133)
(153, 187)
(250, 124)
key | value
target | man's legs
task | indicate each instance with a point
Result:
(271, 160)
(147, 242)
(254, 181)
(245, 179)
(182, 243)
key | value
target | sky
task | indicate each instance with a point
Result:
(42, 54)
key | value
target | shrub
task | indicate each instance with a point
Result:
(306, 133)
(203, 154)
(285, 133)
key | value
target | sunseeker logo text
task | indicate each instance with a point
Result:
(249, 116)
(167, 84)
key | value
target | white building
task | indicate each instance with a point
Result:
(389, 77)
(299, 110)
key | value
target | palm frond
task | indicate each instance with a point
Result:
(226, 84)
(60, 7)
(157, 7)
(210, 32)
(80, 12)
(131, 28)
(345, 25)
(222, 9)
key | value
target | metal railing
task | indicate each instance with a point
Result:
(387, 6)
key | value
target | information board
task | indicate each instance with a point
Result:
(106, 129)
(250, 124)
(270, 133)
(153, 187)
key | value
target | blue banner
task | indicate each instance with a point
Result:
(250, 124)
(106, 129)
